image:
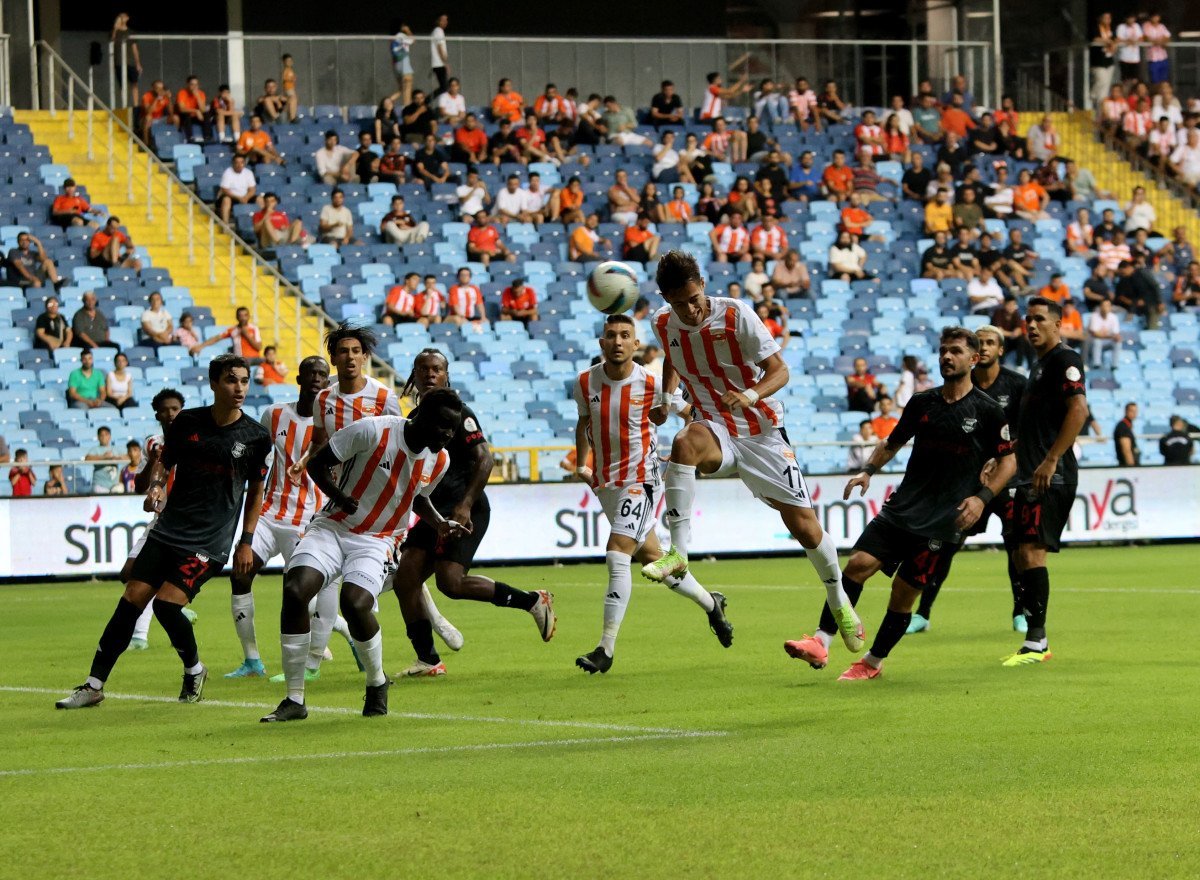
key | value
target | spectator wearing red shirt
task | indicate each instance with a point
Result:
(393, 164)
(870, 135)
(838, 177)
(271, 371)
(884, 423)
(22, 477)
(464, 301)
(862, 388)
(519, 302)
(429, 302)
(854, 218)
(641, 244)
(190, 106)
(70, 209)
(484, 244)
(400, 307)
(955, 119)
(731, 240)
(111, 248)
(773, 327)
(470, 142)
(273, 227)
(156, 104)
(768, 241)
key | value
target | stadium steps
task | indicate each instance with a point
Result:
(170, 251)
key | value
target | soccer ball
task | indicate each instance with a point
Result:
(612, 287)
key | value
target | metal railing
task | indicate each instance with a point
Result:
(357, 69)
(67, 93)
(1064, 78)
(5, 72)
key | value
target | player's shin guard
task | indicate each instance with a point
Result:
(370, 653)
(828, 627)
(323, 620)
(616, 599)
(690, 587)
(824, 559)
(1035, 597)
(179, 631)
(242, 607)
(113, 641)
(680, 497)
(293, 650)
(891, 631)
(420, 633)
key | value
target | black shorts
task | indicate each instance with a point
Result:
(159, 564)
(1041, 520)
(100, 262)
(1001, 507)
(423, 536)
(920, 562)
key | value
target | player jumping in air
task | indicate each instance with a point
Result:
(389, 467)
(1004, 386)
(618, 419)
(730, 366)
(216, 452)
(1053, 411)
(955, 430)
(459, 497)
(286, 508)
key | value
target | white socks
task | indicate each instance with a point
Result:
(616, 599)
(322, 624)
(242, 607)
(872, 661)
(141, 629)
(824, 638)
(294, 651)
(370, 653)
(690, 587)
(435, 616)
(824, 559)
(681, 497)
(342, 628)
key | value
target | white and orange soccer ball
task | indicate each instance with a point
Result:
(612, 287)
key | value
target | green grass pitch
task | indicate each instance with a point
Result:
(686, 760)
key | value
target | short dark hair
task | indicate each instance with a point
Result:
(165, 395)
(269, 348)
(222, 363)
(365, 335)
(712, 77)
(104, 428)
(863, 422)
(133, 444)
(408, 275)
(676, 269)
(949, 334)
(619, 318)
(1051, 306)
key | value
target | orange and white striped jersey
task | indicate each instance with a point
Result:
(722, 355)
(291, 434)
(732, 239)
(713, 104)
(466, 301)
(383, 474)
(624, 440)
(771, 241)
(335, 410)
(717, 142)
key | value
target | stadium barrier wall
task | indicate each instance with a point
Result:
(82, 536)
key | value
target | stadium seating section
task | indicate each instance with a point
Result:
(518, 378)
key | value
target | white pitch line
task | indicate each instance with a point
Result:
(419, 716)
(379, 753)
(783, 588)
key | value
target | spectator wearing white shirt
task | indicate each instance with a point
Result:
(1166, 104)
(439, 57)
(451, 105)
(541, 204)
(157, 327)
(336, 222)
(473, 196)
(1161, 143)
(238, 186)
(1103, 334)
(903, 115)
(803, 102)
(668, 168)
(1129, 48)
(1139, 213)
(512, 202)
(862, 445)
(984, 292)
(335, 162)
(1186, 159)
(847, 258)
(1157, 36)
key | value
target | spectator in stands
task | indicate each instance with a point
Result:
(1140, 249)
(651, 204)
(271, 371)
(549, 107)
(222, 113)
(417, 119)
(967, 213)
(484, 244)
(959, 91)
(56, 483)
(862, 445)
(470, 145)
(1107, 228)
(473, 196)
(532, 142)
(508, 103)
(1187, 288)
(89, 326)
(104, 476)
(1157, 37)
(1072, 324)
(402, 69)
(429, 302)
(953, 154)
(451, 105)
(916, 180)
(1101, 53)
(838, 178)
(1138, 293)
(830, 104)
(768, 240)
(1136, 124)
(287, 80)
(869, 134)
(956, 118)
(914, 377)
(791, 276)
(585, 242)
(1096, 289)
(962, 250)
(128, 476)
(244, 337)
(1185, 159)
(985, 137)
(1030, 198)
(715, 95)
(335, 162)
(387, 124)
(1081, 235)
(867, 181)
(271, 103)
(1020, 260)
(895, 139)
(431, 165)
(21, 475)
(802, 101)
(28, 265)
(86, 385)
(938, 261)
(191, 105)
(1176, 445)
(862, 388)
(847, 258)
(238, 187)
(770, 103)
(157, 327)
(756, 278)
(1113, 252)
(464, 302)
(884, 423)
(255, 144)
(398, 226)
(273, 227)
(1112, 111)
(1124, 439)
(854, 218)
(624, 201)
(1139, 212)
(50, 330)
(519, 302)
(502, 146)
(1043, 141)
(709, 205)
(773, 326)
(111, 247)
(939, 213)
(668, 168)
(118, 385)
(393, 164)
(1129, 51)
(678, 210)
(731, 239)
(336, 223)
(640, 244)
(1103, 335)
(69, 208)
(743, 198)
(511, 202)
(666, 108)
(927, 121)
(366, 160)
(984, 293)
(570, 201)
(621, 124)
(400, 306)
(156, 104)
(1007, 319)
(1056, 289)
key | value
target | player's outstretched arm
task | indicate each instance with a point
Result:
(320, 468)
(880, 456)
(1076, 418)
(582, 471)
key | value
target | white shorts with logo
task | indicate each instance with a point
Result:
(273, 538)
(765, 464)
(630, 509)
(357, 559)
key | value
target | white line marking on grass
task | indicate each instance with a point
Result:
(784, 588)
(379, 753)
(418, 716)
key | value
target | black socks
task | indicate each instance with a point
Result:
(420, 633)
(508, 597)
(115, 638)
(179, 630)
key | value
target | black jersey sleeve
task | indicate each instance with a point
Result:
(1069, 375)
(173, 440)
(906, 428)
(260, 458)
(999, 436)
(472, 431)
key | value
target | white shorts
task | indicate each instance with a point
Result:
(141, 541)
(765, 464)
(273, 538)
(629, 509)
(357, 559)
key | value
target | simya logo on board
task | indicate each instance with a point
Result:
(96, 542)
(1113, 508)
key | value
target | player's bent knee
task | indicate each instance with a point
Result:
(138, 593)
(861, 567)
(300, 586)
(355, 601)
